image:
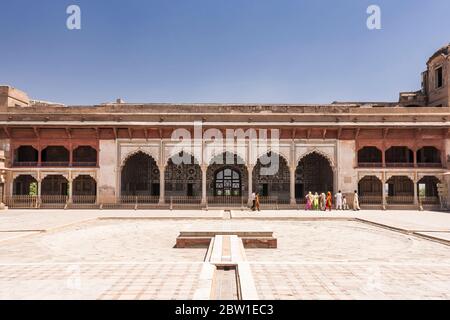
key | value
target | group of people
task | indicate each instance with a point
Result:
(317, 202)
(325, 202)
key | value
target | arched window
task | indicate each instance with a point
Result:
(399, 157)
(428, 157)
(227, 182)
(55, 156)
(369, 157)
(84, 156)
(25, 156)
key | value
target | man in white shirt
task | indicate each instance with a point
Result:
(338, 197)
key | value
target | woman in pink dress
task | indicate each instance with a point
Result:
(309, 198)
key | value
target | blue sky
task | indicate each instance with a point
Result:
(267, 51)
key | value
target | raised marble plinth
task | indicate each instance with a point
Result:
(257, 238)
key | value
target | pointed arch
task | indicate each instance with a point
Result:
(319, 152)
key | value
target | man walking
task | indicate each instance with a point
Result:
(257, 201)
(356, 201)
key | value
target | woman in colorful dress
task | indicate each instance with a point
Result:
(329, 201)
(316, 201)
(322, 201)
(308, 198)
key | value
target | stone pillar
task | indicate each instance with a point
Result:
(415, 157)
(204, 168)
(250, 182)
(292, 184)
(39, 184)
(108, 178)
(416, 198)
(70, 190)
(383, 192)
(162, 184)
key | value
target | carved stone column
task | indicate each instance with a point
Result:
(204, 168)
(292, 170)
(250, 182)
(416, 198)
(162, 184)
(70, 190)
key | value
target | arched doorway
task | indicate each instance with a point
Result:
(183, 179)
(84, 189)
(400, 190)
(370, 190)
(227, 180)
(55, 189)
(427, 190)
(140, 179)
(25, 185)
(274, 184)
(313, 173)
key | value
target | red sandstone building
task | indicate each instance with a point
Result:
(121, 154)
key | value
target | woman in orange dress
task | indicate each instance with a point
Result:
(329, 201)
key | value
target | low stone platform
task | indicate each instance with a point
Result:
(262, 238)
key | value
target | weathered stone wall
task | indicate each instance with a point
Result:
(108, 169)
(347, 177)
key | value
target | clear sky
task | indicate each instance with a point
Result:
(273, 51)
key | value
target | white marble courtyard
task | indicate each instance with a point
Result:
(102, 254)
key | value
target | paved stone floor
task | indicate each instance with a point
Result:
(75, 255)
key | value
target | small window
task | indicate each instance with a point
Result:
(438, 78)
